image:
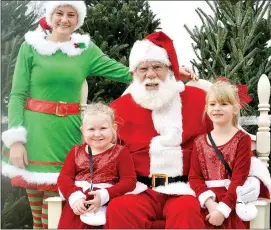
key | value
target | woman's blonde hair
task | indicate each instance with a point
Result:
(224, 91)
(98, 108)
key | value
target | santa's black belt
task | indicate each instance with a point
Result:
(161, 180)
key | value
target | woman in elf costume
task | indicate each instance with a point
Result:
(44, 109)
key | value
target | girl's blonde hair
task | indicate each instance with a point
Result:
(98, 108)
(224, 91)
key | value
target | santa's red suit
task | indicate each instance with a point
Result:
(139, 129)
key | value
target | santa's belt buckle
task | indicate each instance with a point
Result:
(159, 177)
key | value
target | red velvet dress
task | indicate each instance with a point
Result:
(114, 166)
(206, 166)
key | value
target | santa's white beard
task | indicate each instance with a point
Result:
(155, 99)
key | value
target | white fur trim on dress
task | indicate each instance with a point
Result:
(76, 196)
(45, 47)
(140, 187)
(145, 50)
(178, 188)
(94, 219)
(204, 196)
(30, 177)
(166, 155)
(259, 169)
(104, 195)
(79, 6)
(13, 135)
(224, 209)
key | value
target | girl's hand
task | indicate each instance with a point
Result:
(95, 203)
(187, 74)
(78, 207)
(215, 218)
(210, 205)
(18, 155)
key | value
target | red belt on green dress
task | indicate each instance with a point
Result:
(59, 108)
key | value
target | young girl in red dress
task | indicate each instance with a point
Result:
(94, 172)
(214, 184)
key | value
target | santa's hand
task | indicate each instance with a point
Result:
(249, 191)
(187, 74)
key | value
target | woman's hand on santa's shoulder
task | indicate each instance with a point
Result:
(18, 155)
(187, 73)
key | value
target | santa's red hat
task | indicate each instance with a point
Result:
(155, 47)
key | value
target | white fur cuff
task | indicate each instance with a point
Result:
(204, 196)
(140, 187)
(224, 209)
(104, 196)
(14, 135)
(76, 196)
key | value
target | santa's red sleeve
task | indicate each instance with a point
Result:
(196, 179)
(127, 175)
(66, 178)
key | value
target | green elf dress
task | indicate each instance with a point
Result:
(52, 71)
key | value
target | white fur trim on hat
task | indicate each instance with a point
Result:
(104, 195)
(94, 218)
(259, 169)
(13, 135)
(145, 50)
(246, 212)
(79, 6)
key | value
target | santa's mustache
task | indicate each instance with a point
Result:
(153, 81)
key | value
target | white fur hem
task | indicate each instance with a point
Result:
(260, 170)
(13, 135)
(204, 196)
(30, 177)
(76, 196)
(45, 47)
(140, 187)
(224, 209)
(178, 188)
(104, 196)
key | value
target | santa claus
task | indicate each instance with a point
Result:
(158, 121)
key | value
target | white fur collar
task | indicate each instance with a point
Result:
(45, 47)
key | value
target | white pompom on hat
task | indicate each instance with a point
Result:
(79, 6)
(246, 212)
